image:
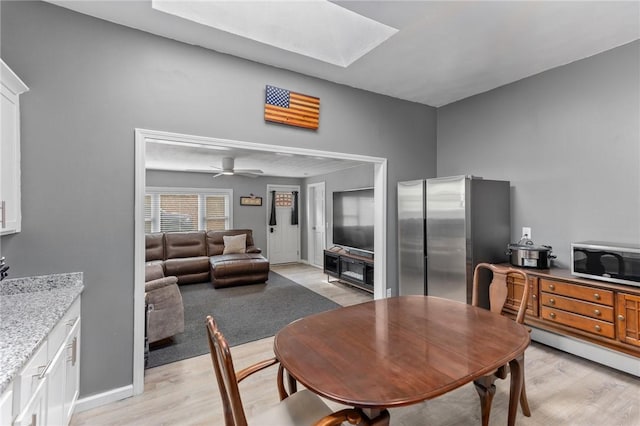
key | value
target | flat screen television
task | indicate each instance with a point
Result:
(353, 213)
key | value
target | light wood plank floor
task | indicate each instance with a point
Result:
(562, 389)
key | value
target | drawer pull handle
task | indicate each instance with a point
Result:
(41, 370)
(534, 296)
(73, 346)
(552, 301)
(597, 312)
(598, 328)
(596, 296)
(621, 317)
(552, 287)
(552, 315)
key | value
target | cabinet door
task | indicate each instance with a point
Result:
(6, 406)
(515, 290)
(10, 163)
(11, 88)
(72, 371)
(628, 310)
(331, 263)
(34, 413)
(55, 389)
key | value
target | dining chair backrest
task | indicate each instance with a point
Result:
(225, 374)
(498, 290)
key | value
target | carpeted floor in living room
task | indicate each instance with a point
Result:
(244, 313)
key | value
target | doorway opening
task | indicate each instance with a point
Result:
(144, 135)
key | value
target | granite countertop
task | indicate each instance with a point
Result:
(29, 309)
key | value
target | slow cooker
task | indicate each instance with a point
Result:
(525, 254)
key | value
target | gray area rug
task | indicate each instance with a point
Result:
(243, 313)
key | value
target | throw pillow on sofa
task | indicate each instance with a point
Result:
(235, 243)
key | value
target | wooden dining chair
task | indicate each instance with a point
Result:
(302, 408)
(498, 293)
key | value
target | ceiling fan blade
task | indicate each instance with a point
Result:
(250, 175)
(253, 171)
(216, 175)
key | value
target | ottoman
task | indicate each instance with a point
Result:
(238, 268)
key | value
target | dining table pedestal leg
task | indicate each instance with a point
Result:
(378, 417)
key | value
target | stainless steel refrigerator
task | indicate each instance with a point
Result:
(446, 226)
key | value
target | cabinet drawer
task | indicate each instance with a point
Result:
(515, 290)
(593, 310)
(601, 328)
(590, 294)
(31, 376)
(59, 333)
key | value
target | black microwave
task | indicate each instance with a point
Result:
(612, 262)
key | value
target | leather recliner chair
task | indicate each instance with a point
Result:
(164, 303)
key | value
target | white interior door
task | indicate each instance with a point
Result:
(283, 238)
(316, 224)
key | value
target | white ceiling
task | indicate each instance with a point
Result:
(202, 158)
(444, 51)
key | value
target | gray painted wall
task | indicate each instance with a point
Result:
(568, 140)
(92, 82)
(251, 217)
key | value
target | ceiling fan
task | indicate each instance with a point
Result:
(228, 170)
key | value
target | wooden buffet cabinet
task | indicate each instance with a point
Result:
(600, 313)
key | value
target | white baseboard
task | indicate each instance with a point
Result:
(104, 398)
(599, 354)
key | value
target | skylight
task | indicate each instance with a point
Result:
(315, 28)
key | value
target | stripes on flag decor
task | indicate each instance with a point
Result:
(294, 109)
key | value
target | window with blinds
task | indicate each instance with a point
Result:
(184, 209)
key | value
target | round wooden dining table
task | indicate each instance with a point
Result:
(400, 351)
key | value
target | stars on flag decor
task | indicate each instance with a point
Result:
(291, 108)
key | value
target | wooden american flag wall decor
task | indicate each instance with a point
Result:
(291, 108)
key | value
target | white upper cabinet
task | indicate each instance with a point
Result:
(10, 212)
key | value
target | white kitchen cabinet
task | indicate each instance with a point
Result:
(72, 372)
(55, 389)
(46, 390)
(35, 410)
(6, 407)
(10, 209)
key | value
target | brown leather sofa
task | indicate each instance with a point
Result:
(198, 256)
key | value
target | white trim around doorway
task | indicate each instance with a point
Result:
(141, 135)
(318, 186)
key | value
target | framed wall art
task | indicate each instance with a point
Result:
(251, 201)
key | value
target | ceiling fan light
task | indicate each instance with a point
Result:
(227, 173)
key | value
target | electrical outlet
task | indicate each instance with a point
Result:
(388, 292)
(526, 232)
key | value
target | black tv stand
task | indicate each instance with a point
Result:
(349, 268)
